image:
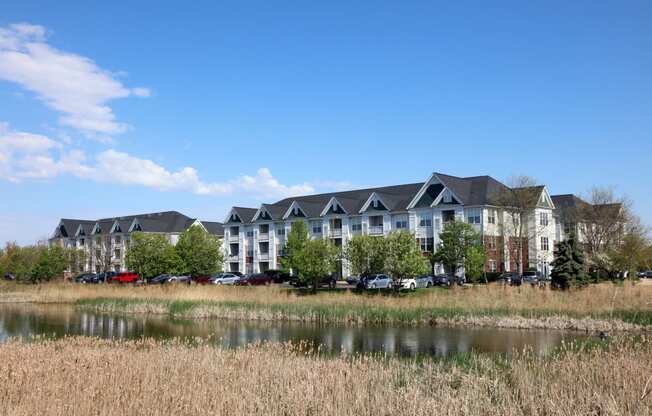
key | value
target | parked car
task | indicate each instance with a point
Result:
(443, 280)
(180, 279)
(378, 281)
(257, 279)
(510, 278)
(224, 279)
(327, 281)
(84, 277)
(203, 279)
(279, 276)
(9, 276)
(125, 277)
(531, 277)
(415, 282)
(647, 274)
(353, 280)
(102, 277)
(160, 279)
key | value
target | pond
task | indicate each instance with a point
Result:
(25, 320)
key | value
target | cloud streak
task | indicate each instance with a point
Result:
(25, 156)
(70, 84)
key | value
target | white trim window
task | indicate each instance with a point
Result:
(280, 231)
(491, 242)
(543, 219)
(491, 216)
(493, 267)
(545, 244)
(401, 222)
(474, 216)
(250, 233)
(356, 225)
(316, 227)
(425, 220)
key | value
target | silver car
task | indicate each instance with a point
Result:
(225, 279)
(379, 281)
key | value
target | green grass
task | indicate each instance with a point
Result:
(347, 313)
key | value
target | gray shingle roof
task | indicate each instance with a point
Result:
(215, 228)
(161, 222)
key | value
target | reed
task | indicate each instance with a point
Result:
(81, 376)
(599, 307)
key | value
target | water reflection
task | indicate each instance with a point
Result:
(30, 320)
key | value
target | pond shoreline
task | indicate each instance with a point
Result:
(360, 316)
(599, 308)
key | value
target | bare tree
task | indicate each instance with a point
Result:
(517, 201)
(602, 223)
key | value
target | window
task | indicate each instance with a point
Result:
(426, 244)
(401, 222)
(491, 216)
(117, 239)
(438, 224)
(280, 231)
(544, 244)
(425, 220)
(543, 219)
(491, 243)
(315, 227)
(234, 230)
(250, 233)
(356, 226)
(492, 266)
(474, 216)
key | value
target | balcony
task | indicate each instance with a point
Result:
(263, 236)
(234, 238)
(335, 233)
(233, 257)
(263, 256)
(375, 230)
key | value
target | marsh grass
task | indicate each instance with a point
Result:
(598, 307)
(82, 376)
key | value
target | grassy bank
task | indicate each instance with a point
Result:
(596, 308)
(91, 376)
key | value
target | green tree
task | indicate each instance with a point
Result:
(366, 254)
(151, 255)
(200, 251)
(459, 242)
(474, 263)
(403, 256)
(294, 244)
(316, 260)
(568, 265)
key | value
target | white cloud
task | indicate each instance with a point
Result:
(25, 156)
(68, 83)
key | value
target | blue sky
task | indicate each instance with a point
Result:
(119, 107)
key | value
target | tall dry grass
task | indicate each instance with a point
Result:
(604, 302)
(83, 376)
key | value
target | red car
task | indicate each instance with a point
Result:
(202, 280)
(259, 279)
(126, 277)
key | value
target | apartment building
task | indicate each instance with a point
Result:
(254, 237)
(106, 240)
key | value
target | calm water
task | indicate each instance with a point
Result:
(29, 320)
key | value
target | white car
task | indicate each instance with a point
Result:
(416, 282)
(225, 279)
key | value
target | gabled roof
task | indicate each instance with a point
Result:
(353, 201)
(215, 228)
(473, 190)
(158, 222)
(70, 227)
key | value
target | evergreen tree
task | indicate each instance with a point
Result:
(569, 265)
